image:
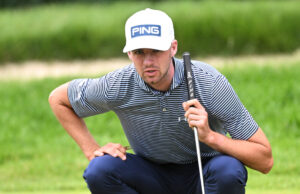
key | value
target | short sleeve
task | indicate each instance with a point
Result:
(226, 105)
(88, 96)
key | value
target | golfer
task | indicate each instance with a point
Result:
(150, 97)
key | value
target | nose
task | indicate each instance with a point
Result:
(148, 58)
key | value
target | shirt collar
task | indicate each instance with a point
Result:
(176, 81)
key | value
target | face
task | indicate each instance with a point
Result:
(154, 66)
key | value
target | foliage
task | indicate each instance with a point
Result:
(85, 31)
(28, 3)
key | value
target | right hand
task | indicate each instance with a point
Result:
(113, 149)
(198, 117)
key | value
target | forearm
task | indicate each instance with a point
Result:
(254, 152)
(74, 125)
(77, 129)
(254, 155)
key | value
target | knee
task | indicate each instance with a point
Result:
(228, 171)
(99, 172)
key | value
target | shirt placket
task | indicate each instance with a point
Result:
(164, 109)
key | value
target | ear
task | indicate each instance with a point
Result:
(174, 45)
(129, 53)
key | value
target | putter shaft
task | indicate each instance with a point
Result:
(199, 159)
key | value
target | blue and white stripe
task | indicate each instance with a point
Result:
(150, 118)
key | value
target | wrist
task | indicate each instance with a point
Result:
(216, 141)
(210, 138)
(90, 157)
(90, 154)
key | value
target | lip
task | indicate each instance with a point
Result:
(150, 72)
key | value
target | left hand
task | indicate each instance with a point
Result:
(197, 117)
(113, 149)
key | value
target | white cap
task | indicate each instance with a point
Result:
(149, 28)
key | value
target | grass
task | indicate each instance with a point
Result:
(85, 31)
(87, 192)
(34, 148)
(37, 155)
(271, 95)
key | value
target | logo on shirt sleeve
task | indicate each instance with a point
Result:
(145, 30)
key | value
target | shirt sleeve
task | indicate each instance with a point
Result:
(227, 106)
(88, 96)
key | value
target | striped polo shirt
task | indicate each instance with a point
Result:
(150, 118)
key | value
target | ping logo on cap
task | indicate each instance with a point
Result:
(145, 30)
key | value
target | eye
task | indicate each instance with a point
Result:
(138, 52)
(156, 51)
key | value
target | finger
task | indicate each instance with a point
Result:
(113, 149)
(115, 152)
(103, 150)
(195, 112)
(192, 117)
(198, 123)
(119, 154)
(119, 147)
(98, 153)
(123, 149)
(185, 107)
(196, 103)
(196, 120)
(193, 102)
(190, 111)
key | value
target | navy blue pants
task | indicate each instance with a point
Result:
(222, 174)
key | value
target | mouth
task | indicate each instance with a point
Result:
(150, 72)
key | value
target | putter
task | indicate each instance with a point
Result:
(190, 85)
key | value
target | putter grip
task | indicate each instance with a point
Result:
(188, 74)
(189, 78)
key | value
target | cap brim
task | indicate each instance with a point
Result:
(152, 44)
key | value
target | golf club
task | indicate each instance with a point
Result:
(190, 85)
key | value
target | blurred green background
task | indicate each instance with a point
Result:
(38, 156)
(92, 30)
